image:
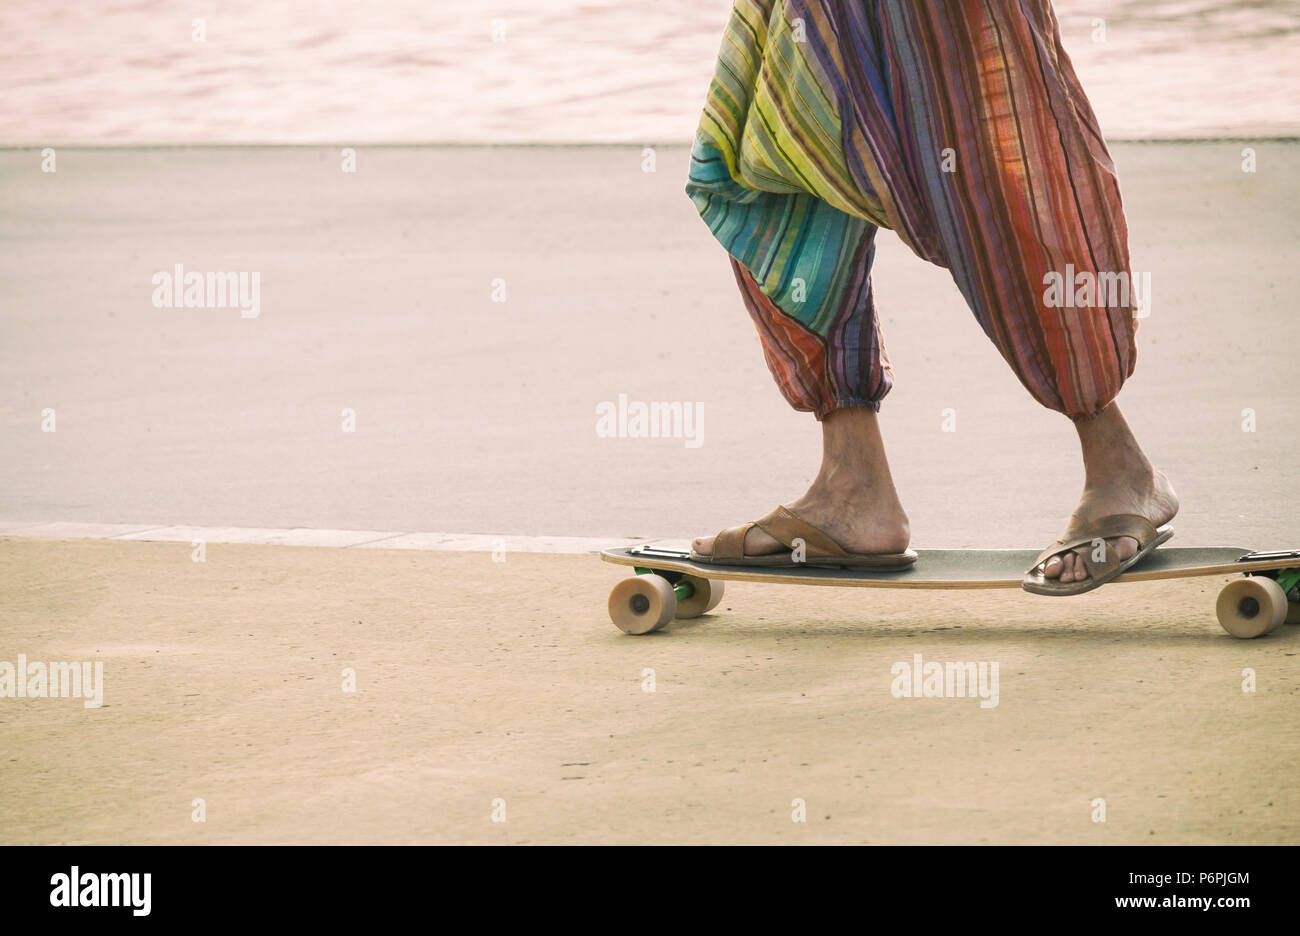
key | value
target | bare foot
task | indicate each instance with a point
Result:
(862, 521)
(1119, 480)
(852, 500)
(1151, 497)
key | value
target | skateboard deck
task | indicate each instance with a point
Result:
(1246, 605)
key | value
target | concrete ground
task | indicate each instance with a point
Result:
(480, 680)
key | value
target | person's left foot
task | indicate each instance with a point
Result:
(863, 520)
(1146, 493)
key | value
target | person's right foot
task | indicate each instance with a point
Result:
(1118, 479)
(1146, 493)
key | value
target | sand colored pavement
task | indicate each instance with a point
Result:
(482, 683)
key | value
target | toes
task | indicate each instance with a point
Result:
(1125, 547)
(1077, 571)
(757, 543)
(1069, 567)
(1065, 567)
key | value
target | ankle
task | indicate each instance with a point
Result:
(1120, 471)
(1109, 448)
(845, 483)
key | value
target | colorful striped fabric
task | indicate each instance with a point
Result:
(958, 124)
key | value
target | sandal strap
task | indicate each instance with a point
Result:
(730, 543)
(1108, 527)
(784, 525)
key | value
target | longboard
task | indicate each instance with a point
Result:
(669, 584)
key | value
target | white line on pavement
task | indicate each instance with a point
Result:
(360, 539)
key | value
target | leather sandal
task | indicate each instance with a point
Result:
(816, 548)
(1100, 571)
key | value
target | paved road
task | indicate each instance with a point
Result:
(476, 416)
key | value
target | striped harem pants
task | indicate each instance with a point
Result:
(958, 124)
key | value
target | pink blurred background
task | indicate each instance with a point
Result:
(566, 70)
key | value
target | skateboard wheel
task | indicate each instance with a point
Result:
(1251, 606)
(707, 594)
(642, 604)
